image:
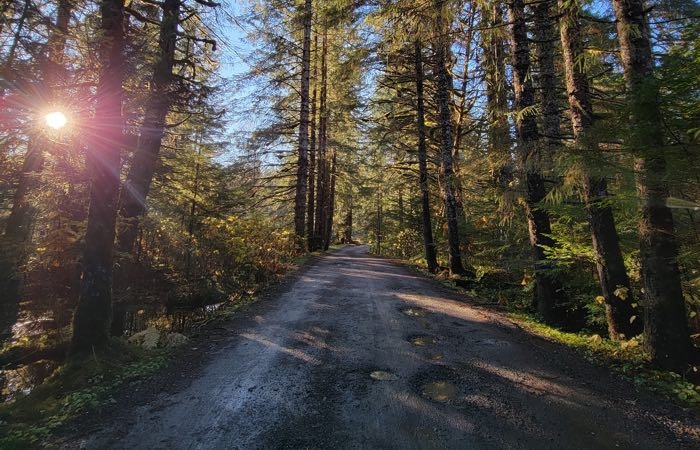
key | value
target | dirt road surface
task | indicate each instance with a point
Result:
(362, 353)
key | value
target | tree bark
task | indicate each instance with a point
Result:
(328, 239)
(612, 274)
(91, 323)
(321, 188)
(428, 242)
(145, 160)
(348, 224)
(310, 210)
(499, 140)
(444, 88)
(303, 156)
(547, 290)
(665, 325)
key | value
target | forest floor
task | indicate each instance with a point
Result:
(357, 351)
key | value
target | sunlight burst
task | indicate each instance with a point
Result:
(56, 120)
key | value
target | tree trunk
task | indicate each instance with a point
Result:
(330, 204)
(499, 140)
(428, 242)
(321, 157)
(547, 290)
(444, 88)
(145, 160)
(310, 211)
(303, 157)
(606, 243)
(666, 328)
(348, 224)
(91, 323)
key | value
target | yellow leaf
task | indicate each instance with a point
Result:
(600, 299)
(596, 339)
(693, 314)
(632, 318)
(621, 292)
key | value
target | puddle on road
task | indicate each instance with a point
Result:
(439, 391)
(414, 312)
(421, 340)
(382, 375)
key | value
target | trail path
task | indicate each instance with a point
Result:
(359, 352)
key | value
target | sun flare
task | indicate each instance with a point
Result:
(56, 120)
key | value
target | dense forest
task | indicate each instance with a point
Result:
(542, 155)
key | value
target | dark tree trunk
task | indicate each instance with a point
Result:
(145, 160)
(330, 203)
(310, 210)
(444, 88)
(347, 239)
(91, 323)
(322, 163)
(545, 36)
(499, 140)
(303, 157)
(548, 291)
(610, 264)
(428, 242)
(665, 325)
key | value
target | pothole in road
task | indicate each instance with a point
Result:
(438, 383)
(414, 312)
(383, 375)
(439, 391)
(421, 340)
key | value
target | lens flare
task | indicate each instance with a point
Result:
(56, 120)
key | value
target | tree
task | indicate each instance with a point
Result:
(302, 162)
(548, 292)
(665, 327)
(614, 281)
(94, 311)
(444, 88)
(132, 202)
(429, 244)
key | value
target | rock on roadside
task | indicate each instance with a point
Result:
(151, 338)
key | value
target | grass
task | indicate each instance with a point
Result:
(82, 384)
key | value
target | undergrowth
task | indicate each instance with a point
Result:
(626, 358)
(82, 384)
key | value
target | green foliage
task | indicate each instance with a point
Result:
(79, 386)
(626, 358)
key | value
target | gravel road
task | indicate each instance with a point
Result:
(359, 352)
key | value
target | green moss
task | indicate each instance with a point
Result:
(81, 385)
